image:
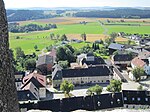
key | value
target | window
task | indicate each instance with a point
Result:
(138, 99)
(111, 102)
(125, 98)
(36, 89)
(34, 93)
(146, 99)
(133, 99)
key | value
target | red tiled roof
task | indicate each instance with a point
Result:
(138, 62)
(40, 78)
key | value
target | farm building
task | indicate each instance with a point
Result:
(115, 47)
(90, 75)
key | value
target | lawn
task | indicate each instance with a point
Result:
(128, 29)
(28, 44)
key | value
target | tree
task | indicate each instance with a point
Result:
(129, 42)
(137, 73)
(63, 64)
(140, 88)
(36, 47)
(113, 35)
(52, 36)
(83, 36)
(65, 53)
(8, 92)
(19, 53)
(95, 89)
(30, 64)
(115, 86)
(66, 87)
(63, 38)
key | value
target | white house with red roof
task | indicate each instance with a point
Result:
(33, 87)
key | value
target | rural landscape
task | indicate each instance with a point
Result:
(73, 29)
(65, 59)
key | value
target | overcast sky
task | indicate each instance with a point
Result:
(75, 3)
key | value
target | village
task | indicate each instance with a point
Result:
(86, 71)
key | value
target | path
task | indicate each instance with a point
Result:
(105, 29)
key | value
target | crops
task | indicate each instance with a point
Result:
(73, 29)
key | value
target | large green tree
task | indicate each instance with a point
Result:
(64, 53)
(95, 89)
(63, 37)
(115, 86)
(137, 73)
(19, 53)
(30, 64)
(8, 92)
(66, 87)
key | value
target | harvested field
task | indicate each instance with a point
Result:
(120, 39)
(90, 37)
(59, 20)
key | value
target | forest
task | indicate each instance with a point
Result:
(23, 15)
(117, 13)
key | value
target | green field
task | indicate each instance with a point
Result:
(41, 38)
(129, 29)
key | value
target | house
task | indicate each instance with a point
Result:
(118, 75)
(77, 66)
(89, 59)
(143, 63)
(121, 59)
(45, 63)
(131, 76)
(29, 92)
(52, 53)
(115, 47)
(18, 79)
(37, 79)
(135, 37)
(136, 50)
(90, 75)
(33, 87)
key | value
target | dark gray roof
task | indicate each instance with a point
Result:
(97, 61)
(101, 70)
(57, 74)
(116, 46)
(45, 59)
(122, 57)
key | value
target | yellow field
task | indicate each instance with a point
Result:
(74, 20)
(120, 39)
(94, 37)
(90, 37)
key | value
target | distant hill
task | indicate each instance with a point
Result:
(103, 12)
(116, 13)
(23, 15)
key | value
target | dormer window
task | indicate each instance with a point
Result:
(138, 99)
(125, 98)
(146, 99)
(133, 99)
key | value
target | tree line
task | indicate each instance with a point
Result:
(24, 15)
(118, 13)
(30, 27)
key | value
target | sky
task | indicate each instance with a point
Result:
(75, 3)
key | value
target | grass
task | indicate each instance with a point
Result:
(128, 29)
(80, 45)
(72, 28)
(28, 44)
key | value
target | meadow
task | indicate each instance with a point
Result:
(73, 29)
